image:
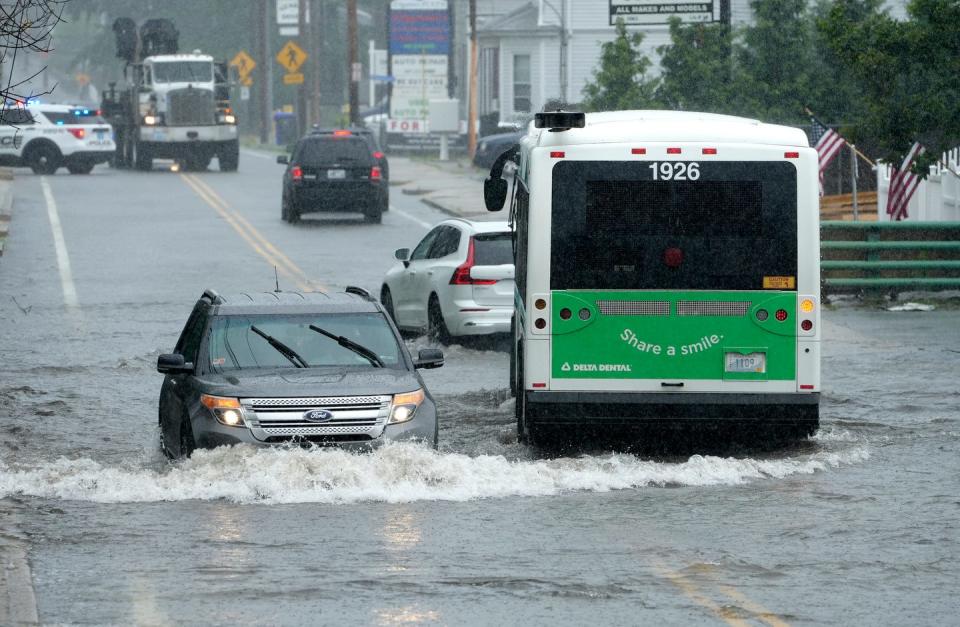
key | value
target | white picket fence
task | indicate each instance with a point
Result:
(937, 198)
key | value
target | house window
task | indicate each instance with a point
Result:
(521, 82)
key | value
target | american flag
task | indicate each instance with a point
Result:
(828, 143)
(903, 183)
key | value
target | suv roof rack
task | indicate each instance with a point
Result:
(212, 296)
(359, 291)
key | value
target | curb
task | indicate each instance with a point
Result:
(18, 602)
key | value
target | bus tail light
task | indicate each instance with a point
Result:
(709, 151)
(791, 155)
(638, 151)
(673, 151)
(806, 325)
(461, 276)
(781, 315)
(557, 154)
(808, 314)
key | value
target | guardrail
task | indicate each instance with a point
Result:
(889, 256)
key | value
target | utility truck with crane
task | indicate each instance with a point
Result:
(171, 105)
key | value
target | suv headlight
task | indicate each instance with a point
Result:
(227, 411)
(405, 406)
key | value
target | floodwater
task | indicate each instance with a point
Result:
(856, 525)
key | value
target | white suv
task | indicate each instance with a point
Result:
(457, 281)
(44, 137)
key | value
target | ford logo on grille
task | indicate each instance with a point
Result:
(318, 415)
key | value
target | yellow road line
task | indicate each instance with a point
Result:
(758, 610)
(252, 230)
(694, 594)
(250, 235)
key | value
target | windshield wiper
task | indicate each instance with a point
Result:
(282, 348)
(359, 349)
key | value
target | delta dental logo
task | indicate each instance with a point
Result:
(567, 367)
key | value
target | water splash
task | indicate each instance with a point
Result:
(395, 473)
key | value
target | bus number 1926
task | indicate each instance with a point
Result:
(675, 171)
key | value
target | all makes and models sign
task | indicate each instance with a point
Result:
(659, 12)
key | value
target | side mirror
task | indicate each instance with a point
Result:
(494, 193)
(429, 358)
(402, 254)
(173, 364)
(283, 159)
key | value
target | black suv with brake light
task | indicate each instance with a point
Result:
(332, 172)
(278, 367)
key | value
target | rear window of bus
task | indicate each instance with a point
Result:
(613, 226)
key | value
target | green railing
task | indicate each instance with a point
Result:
(890, 255)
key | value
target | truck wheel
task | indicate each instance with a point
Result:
(43, 158)
(229, 157)
(143, 160)
(84, 167)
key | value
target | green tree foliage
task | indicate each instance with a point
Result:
(699, 73)
(621, 81)
(908, 72)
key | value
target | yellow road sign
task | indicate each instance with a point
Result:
(244, 63)
(291, 56)
(293, 78)
(246, 81)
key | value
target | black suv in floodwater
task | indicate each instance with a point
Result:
(333, 172)
(323, 368)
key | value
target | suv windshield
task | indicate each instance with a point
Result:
(324, 150)
(183, 72)
(235, 346)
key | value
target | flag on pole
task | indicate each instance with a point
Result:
(903, 184)
(827, 142)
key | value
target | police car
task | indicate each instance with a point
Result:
(45, 137)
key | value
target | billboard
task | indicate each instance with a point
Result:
(659, 12)
(419, 47)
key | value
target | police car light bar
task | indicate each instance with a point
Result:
(560, 120)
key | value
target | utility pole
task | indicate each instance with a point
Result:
(352, 62)
(262, 17)
(316, 52)
(472, 112)
(304, 36)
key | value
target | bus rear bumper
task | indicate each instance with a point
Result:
(636, 408)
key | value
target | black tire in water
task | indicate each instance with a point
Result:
(436, 327)
(43, 158)
(143, 159)
(386, 299)
(229, 157)
(187, 444)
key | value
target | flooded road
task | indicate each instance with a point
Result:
(856, 525)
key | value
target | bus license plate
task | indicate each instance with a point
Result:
(752, 362)
(336, 174)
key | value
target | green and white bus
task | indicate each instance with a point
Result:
(667, 271)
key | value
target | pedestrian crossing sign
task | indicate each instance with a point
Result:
(291, 56)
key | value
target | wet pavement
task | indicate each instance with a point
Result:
(857, 525)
